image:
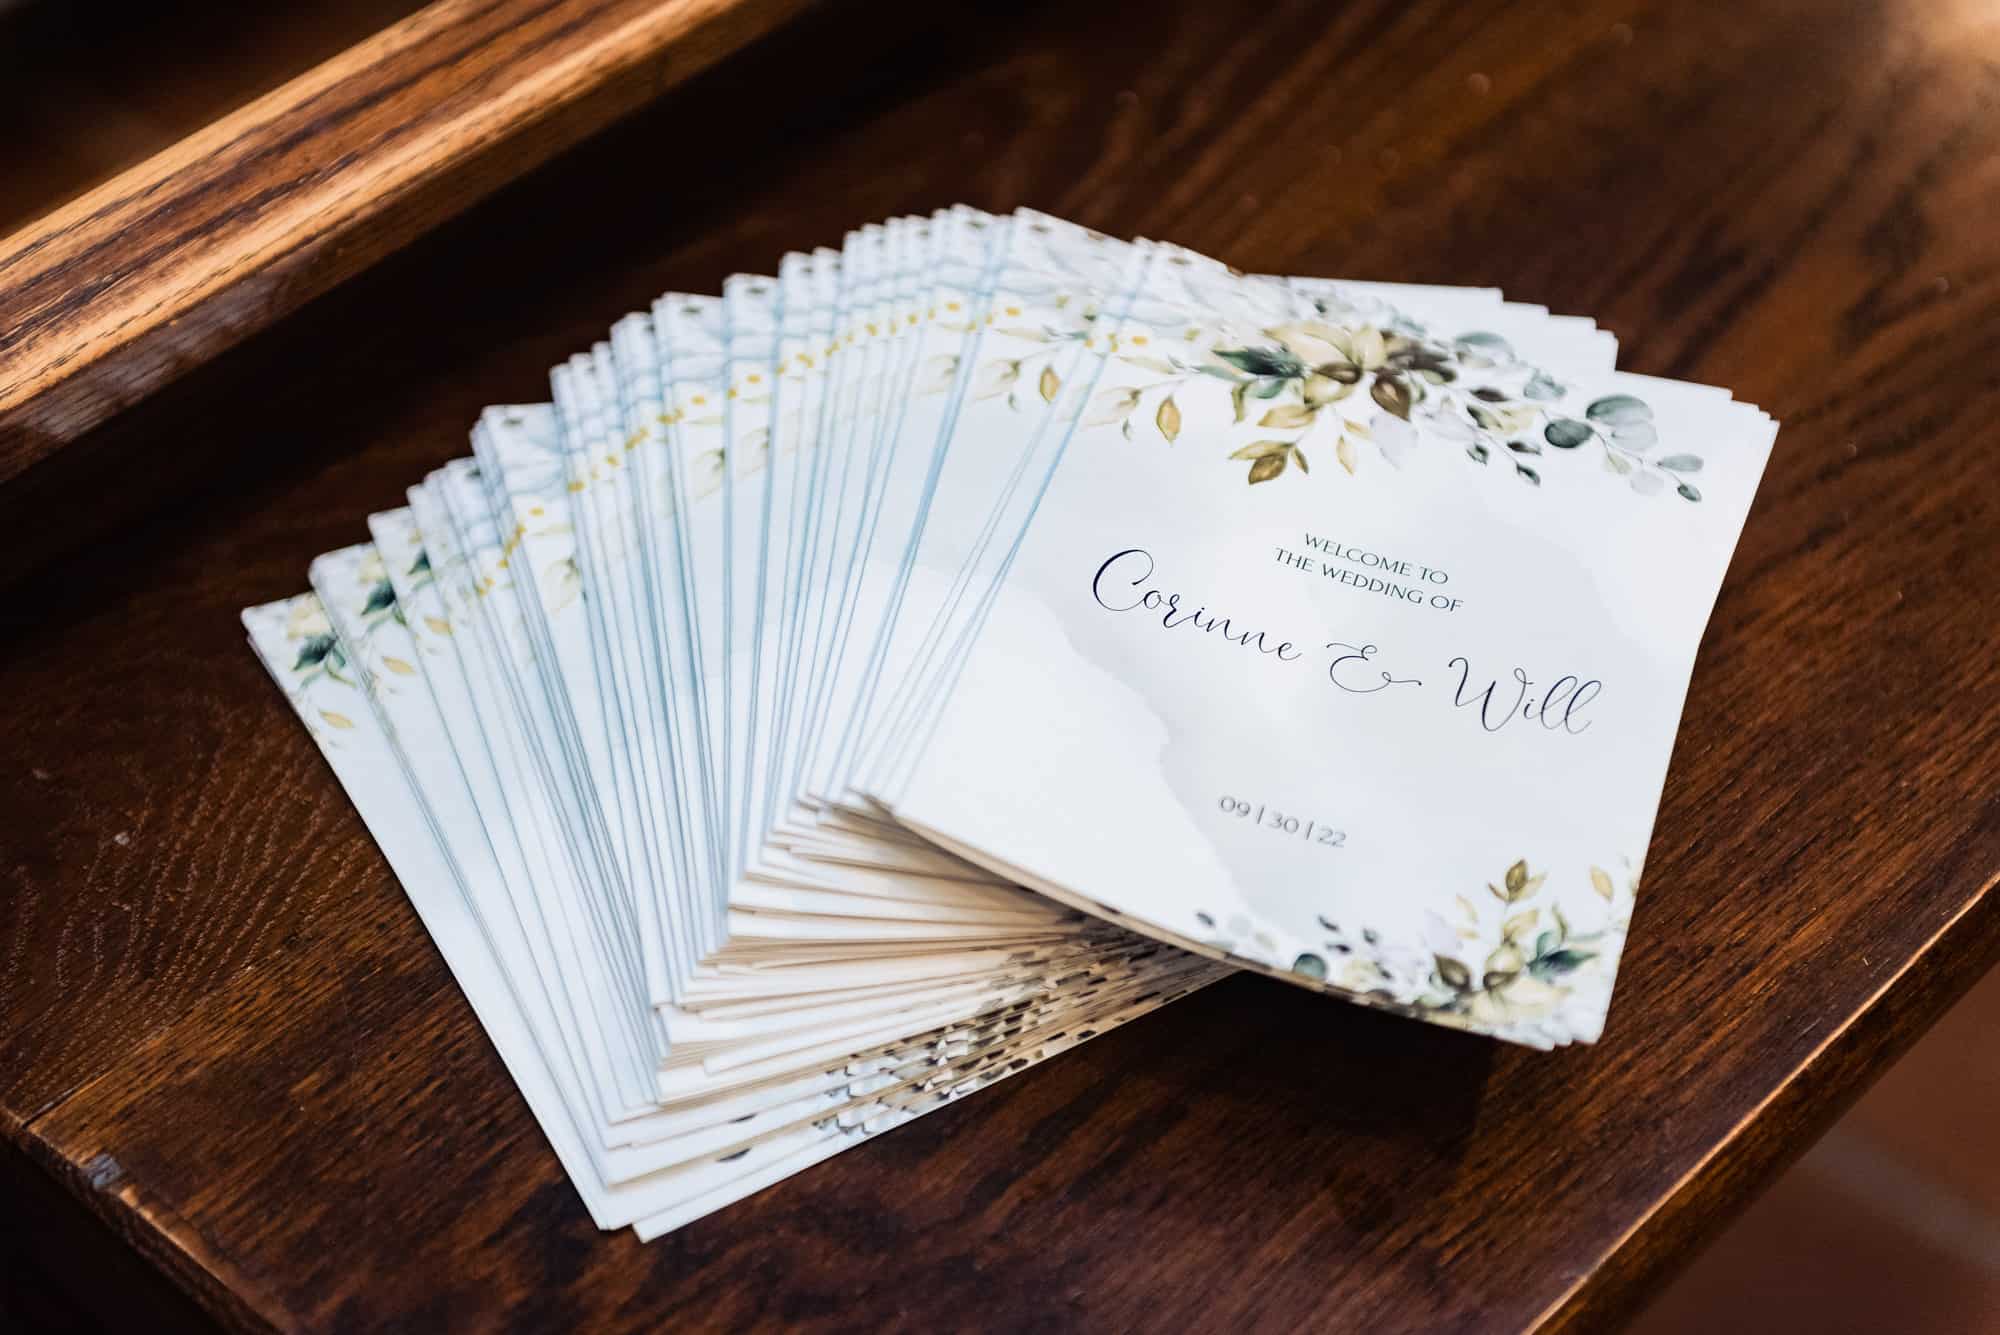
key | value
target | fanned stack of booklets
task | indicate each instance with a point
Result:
(853, 689)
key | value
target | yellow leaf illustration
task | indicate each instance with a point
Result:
(1454, 973)
(995, 378)
(1168, 418)
(337, 720)
(1320, 390)
(1519, 923)
(438, 625)
(1311, 341)
(1049, 384)
(1288, 415)
(1502, 965)
(1111, 405)
(938, 375)
(397, 666)
(1344, 452)
(1262, 449)
(1366, 348)
(1517, 877)
(1267, 468)
(1393, 394)
(1600, 881)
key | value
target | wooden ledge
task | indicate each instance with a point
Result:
(118, 293)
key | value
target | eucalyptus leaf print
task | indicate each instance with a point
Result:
(1383, 381)
(1513, 957)
(1621, 427)
(1542, 387)
(1566, 433)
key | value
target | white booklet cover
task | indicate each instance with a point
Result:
(1352, 650)
(715, 714)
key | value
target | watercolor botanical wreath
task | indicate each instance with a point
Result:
(1513, 966)
(1524, 966)
(1301, 381)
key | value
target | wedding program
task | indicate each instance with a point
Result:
(855, 688)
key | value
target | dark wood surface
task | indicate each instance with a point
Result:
(125, 288)
(93, 89)
(227, 1035)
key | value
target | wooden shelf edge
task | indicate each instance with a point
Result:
(113, 296)
(99, 1244)
(1790, 1121)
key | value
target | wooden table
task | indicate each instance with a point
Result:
(224, 1035)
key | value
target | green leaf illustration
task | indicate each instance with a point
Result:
(1481, 349)
(314, 651)
(1559, 962)
(1263, 361)
(1619, 410)
(1566, 433)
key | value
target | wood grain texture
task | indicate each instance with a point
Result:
(92, 90)
(226, 1033)
(118, 292)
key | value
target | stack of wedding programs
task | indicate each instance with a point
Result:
(715, 714)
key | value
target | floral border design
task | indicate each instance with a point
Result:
(1472, 392)
(1517, 969)
(1299, 382)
